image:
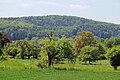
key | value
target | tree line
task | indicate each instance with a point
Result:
(37, 26)
(84, 47)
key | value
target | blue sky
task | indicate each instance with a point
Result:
(101, 10)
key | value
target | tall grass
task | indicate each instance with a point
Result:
(18, 64)
(28, 70)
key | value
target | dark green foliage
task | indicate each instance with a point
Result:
(102, 50)
(38, 26)
(13, 51)
(57, 49)
(3, 55)
(23, 48)
(1, 52)
(114, 56)
(50, 47)
(112, 42)
(66, 50)
(89, 53)
(115, 61)
(2, 40)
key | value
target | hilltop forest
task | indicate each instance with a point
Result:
(37, 26)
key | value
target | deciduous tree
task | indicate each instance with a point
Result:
(84, 38)
(89, 53)
(113, 55)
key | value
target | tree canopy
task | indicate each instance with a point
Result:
(37, 26)
(113, 55)
(84, 38)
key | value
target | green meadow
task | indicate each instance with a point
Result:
(28, 70)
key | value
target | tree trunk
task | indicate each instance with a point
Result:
(35, 57)
(89, 58)
(89, 61)
(115, 67)
(28, 56)
(22, 56)
(13, 56)
(49, 61)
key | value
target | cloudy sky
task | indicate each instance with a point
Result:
(101, 10)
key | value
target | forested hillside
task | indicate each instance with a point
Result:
(36, 26)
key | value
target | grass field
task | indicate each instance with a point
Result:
(57, 75)
(27, 70)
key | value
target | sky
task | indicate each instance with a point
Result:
(100, 10)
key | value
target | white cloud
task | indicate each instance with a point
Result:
(26, 5)
(5, 1)
(77, 7)
(48, 3)
(113, 19)
(110, 19)
(39, 4)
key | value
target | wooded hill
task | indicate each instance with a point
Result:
(37, 26)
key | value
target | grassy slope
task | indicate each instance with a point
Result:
(27, 70)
